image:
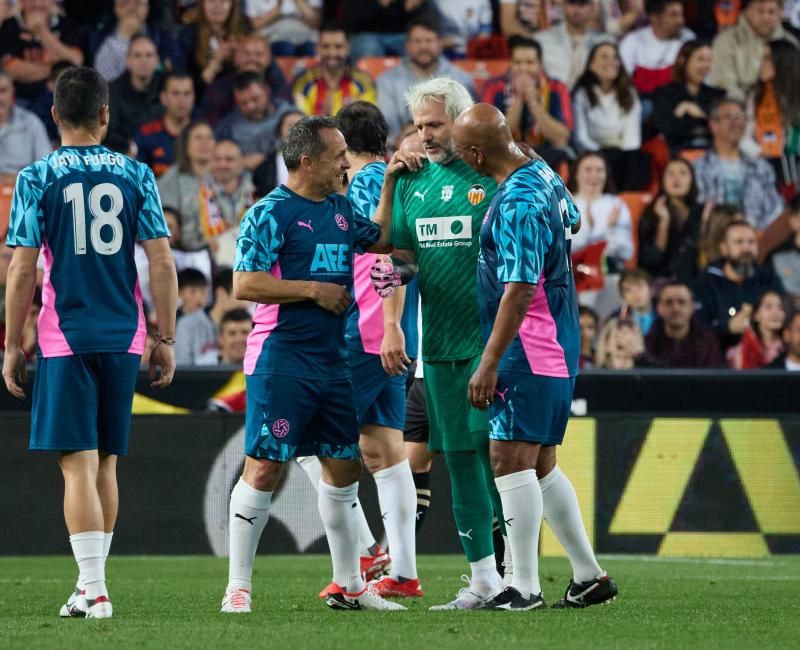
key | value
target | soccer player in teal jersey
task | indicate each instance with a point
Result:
(83, 207)
(526, 376)
(436, 217)
(294, 257)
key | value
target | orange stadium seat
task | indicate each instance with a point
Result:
(291, 66)
(6, 192)
(482, 70)
(377, 65)
(636, 202)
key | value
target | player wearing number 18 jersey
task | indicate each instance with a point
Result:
(83, 207)
(529, 363)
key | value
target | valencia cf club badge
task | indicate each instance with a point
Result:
(476, 194)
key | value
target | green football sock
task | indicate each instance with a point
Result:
(472, 507)
(482, 446)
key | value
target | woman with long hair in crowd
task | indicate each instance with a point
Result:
(185, 185)
(607, 116)
(604, 216)
(682, 107)
(669, 230)
(210, 42)
(762, 341)
(773, 111)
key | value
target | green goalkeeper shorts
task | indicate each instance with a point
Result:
(454, 424)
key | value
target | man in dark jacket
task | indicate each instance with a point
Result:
(133, 97)
(726, 293)
(676, 340)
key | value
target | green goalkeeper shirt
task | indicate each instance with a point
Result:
(437, 213)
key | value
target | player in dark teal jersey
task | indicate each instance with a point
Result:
(530, 359)
(83, 207)
(294, 258)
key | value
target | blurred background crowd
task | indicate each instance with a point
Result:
(676, 125)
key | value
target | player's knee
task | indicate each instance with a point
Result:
(262, 475)
(506, 459)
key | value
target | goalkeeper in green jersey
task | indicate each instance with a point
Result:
(437, 210)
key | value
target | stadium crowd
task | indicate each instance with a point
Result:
(677, 126)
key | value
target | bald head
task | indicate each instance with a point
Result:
(484, 141)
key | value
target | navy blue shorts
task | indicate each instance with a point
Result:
(84, 402)
(380, 397)
(531, 408)
(289, 416)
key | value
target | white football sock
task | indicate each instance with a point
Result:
(338, 510)
(247, 516)
(398, 500)
(88, 551)
(366, 541)
(508, 561)
(522, 510)
(485, 580)
(563, 515)
(107, 543)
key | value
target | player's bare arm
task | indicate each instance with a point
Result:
(393, 347)
(20, 286)
(164, 283)
(400, 163)
(513, 306)
(261, 287)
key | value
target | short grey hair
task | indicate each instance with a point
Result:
(303, 139)
(453, 95)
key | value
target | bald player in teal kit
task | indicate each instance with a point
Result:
(529, 314)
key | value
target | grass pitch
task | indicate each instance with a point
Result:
(173, 602)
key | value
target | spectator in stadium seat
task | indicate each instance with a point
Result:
(185, 185)
(682, 107)
(785, 259)
(773, 112)
(423, 60)
(737, 51)
(761, 342)
(589, 324)
(232, 185)
(23, 137)
(461, 21)
(252, 55)
(235, 327)
(43, 104)
(378, 27)
(209, 43)
(608, 118)
(324, 88)
(272, 172)
(197, 333)
(566, 46)
(621, 346)
(538, 110)
(648, 53)
(252, 124)
(636, 291)
(669, 229)
(155, 140)
(677, 340)
(131, 20)
(604, 216)
(288, 25)
(727, 175)
(726, 292)
(712, 232)
(789, 360)
(134, 96)
(192, 292)
(33, 40)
